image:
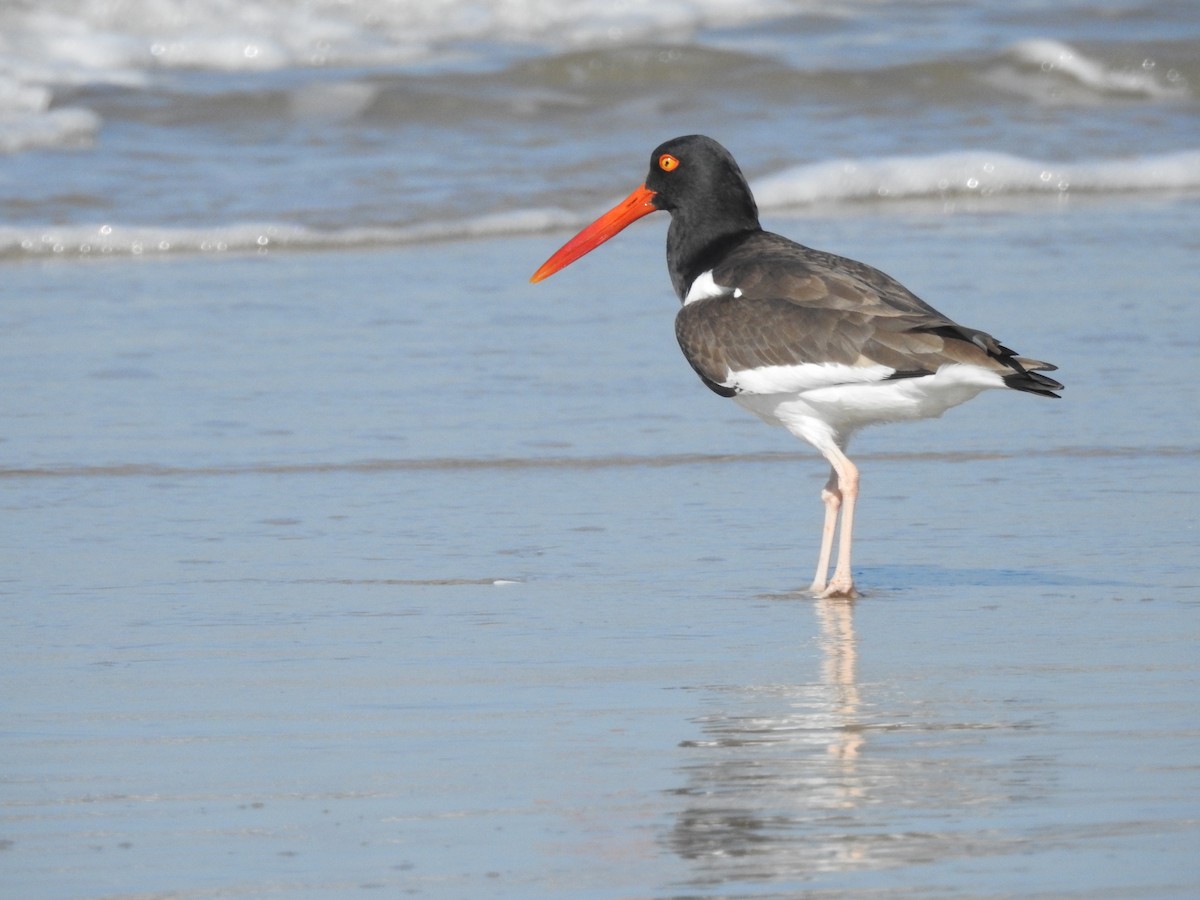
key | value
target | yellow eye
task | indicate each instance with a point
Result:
(668, 163)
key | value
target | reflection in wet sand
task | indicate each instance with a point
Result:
(791, 781)
(839, 658)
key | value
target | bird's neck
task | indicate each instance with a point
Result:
(695, 246)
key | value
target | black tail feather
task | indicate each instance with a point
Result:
(1034, 383)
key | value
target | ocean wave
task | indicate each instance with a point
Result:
(35, 130)
(54, 52)
(972, 173)
(28, 122)
(833, 183)
(100, 241)
(53, 46)
(234, 35)
(1052, 71)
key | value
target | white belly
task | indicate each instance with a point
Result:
(837, 411)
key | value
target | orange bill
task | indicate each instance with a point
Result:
(639, 203)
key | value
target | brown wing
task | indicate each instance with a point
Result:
(789, 305)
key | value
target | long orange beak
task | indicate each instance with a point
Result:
(625, 213)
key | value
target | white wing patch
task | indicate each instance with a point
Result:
(804, 377)
(705, 288)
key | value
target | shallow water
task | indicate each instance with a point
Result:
(324, 574)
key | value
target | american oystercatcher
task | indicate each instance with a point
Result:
(817, 343)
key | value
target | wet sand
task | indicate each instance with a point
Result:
(326, 572)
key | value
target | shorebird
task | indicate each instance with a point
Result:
(817, 343)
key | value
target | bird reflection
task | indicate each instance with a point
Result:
(839, 661)
(781, 759)
(794, 780)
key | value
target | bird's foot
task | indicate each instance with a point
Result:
(837, 590)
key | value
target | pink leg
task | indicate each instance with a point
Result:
(842, 583)
(832, 498)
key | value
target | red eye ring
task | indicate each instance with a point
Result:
(668, 163)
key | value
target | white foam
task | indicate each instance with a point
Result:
(27, 122)
(115, 240)
(66, 127)
(977, 173)
(250, 34)
(54, 43)
(1055, 57)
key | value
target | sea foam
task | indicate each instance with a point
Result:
(261, 34)
(1056, 58)
(114, 240)
(972, 173)
(56, 44)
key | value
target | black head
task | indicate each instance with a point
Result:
(694, 176)
(694, 179)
